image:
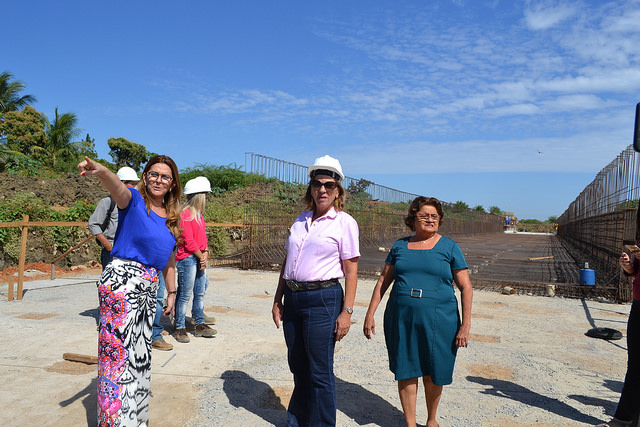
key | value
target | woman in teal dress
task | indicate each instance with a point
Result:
(422, 326)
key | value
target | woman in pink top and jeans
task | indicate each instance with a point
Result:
(191, 261)
(322, 248)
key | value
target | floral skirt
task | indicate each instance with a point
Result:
(127, 293)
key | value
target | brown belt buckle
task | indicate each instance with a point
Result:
(415, 293)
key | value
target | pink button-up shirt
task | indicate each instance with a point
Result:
(315, 250)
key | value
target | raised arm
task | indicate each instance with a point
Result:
(108, 179)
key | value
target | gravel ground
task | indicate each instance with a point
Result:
(529, 362)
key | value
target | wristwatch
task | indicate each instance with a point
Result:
(348, 309)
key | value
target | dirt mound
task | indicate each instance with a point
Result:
(62, 191)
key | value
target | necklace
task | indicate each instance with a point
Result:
(425, 240)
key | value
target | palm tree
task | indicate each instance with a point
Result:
(10, 99)
(59, 135)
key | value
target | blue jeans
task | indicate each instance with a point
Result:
(309, 322)
(157, 327)
(105, 258)
(191, 280)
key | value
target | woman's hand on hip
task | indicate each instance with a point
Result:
(277, 311)
(342, 325)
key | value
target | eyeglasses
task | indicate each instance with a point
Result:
(329, 185)
(166, 179)
(427, 216)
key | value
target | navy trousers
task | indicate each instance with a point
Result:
(309, 323)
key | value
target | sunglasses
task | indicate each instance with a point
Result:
(329, 185)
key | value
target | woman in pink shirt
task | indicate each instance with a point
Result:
(191, 261)
(322, 248)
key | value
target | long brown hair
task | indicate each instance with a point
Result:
(171, 199)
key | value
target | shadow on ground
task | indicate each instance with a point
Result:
(356, 402)
(513, 391)
(89, 397)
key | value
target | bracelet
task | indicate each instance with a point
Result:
(172, 292)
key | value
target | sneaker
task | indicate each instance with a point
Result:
(181, 335)
(203, 330)
(161, 344)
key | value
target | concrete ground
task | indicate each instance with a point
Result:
(529, 362)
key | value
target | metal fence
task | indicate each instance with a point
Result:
(602, 219)
(259, 165)
(380, 222)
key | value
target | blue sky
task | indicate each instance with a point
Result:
(516, 104)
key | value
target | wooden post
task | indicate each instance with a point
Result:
(23, 255)
(10, 286)
(53, 268)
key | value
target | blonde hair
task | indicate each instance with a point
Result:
(195, 205)
(171, 199)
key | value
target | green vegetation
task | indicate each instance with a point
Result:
(10, 98)
(13, 209)
(494, 210)
(537, 226)
(222, 178)
(128, 153)
(627, 204)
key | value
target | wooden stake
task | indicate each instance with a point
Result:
(74, 357)
(10, 286)
(23, 255)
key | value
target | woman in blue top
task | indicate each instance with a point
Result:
(148, 223)
(422, 325)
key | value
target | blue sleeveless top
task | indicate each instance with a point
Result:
(142, 237)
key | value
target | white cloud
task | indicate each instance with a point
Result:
(603, 80)
(542, 16)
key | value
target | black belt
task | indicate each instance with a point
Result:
(296, 286)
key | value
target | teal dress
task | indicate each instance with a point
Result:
(421, 319)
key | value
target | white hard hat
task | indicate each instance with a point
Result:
(326, 165)
(127, 174)
(197, 185)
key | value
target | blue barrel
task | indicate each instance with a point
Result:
(587, 276)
